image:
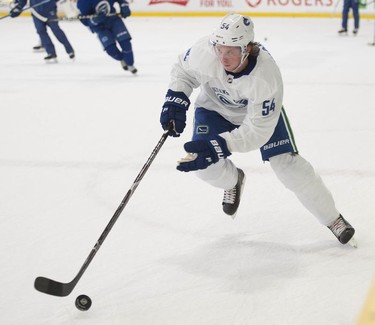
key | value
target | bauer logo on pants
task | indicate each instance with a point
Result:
(276, 144)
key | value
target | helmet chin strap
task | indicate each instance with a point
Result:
(244, 57)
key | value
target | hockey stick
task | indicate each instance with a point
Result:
(82, 17)
(27, 8)
(61, 289)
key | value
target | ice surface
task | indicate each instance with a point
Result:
(73, 137)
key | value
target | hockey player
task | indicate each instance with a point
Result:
(42, 13)
(240, 109)
(110, 28)
(354, 4)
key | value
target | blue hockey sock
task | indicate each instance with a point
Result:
(127, 51)
(114, 52)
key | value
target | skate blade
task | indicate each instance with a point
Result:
(52, 61)
(233, 216)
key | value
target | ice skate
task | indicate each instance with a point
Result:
(51, 58)
(71, 55)
(132, 69)
(355, 31)
(232, 197)
(38, 48)
(343, 231)
(124, 65)
(343, 31)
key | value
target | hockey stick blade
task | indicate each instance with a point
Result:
(54, 288)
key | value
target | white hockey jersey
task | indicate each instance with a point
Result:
(252, 100)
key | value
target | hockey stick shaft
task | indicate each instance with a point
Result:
(80, 17)
(55, 288)
(29, 7)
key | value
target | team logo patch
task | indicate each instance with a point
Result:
(202, 129)
(103, 7)
(224, 96)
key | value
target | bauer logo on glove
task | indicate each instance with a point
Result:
(176, 100)
(174, 110)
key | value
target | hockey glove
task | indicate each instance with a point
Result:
(99, 18)
(203, 153)
(125, 10)
(15, 12)
(174, 110)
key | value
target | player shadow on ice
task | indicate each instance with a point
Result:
(245, 263)
(242, 264)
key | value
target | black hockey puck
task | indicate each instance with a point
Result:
(83, 302)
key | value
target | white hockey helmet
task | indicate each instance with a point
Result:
(234, 30)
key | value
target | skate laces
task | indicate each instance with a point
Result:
(338, 226)
(230, 196)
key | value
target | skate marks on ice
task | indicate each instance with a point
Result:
(241, 263)
(247, 263)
